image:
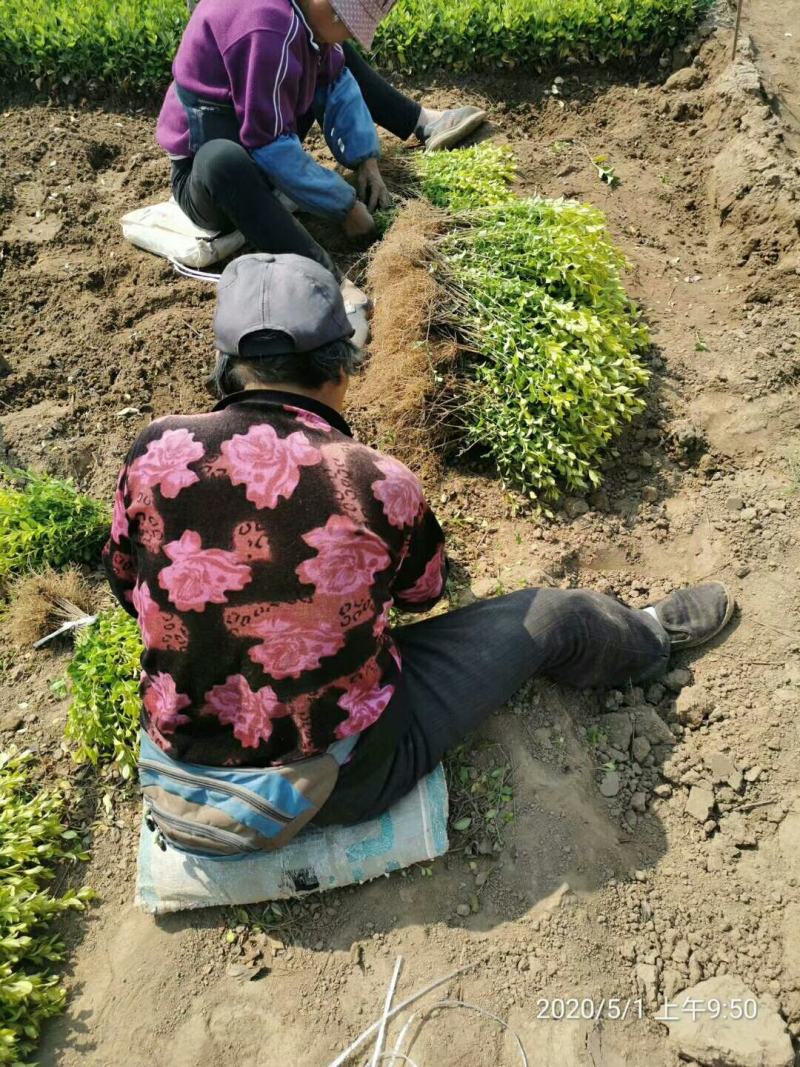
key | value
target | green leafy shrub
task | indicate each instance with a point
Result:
(103, 718)
(534, 288)
(46, 522)
(463, 34)
(472, 177)
(129, 44)
(33, 838)
(124, 44)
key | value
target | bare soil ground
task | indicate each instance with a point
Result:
(589, 895)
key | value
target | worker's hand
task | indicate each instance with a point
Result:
(358, 224)
(371, 186)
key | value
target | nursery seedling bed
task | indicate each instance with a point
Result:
(129, 46)
(98, 338)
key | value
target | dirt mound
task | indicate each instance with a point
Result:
(753, 182)
(395, 396)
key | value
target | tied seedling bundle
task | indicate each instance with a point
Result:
(103, 718)
(45, 522)
(549, 341)
(33, 838)
(130, 44)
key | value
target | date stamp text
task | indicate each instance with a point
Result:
(622, 1008)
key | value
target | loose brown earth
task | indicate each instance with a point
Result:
(589, 896)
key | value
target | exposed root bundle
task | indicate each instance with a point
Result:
(395, 397)
(43, 602)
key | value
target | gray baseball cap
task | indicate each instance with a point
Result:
(288, 294)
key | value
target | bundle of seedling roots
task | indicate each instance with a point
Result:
(502, 329)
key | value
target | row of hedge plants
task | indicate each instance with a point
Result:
(128, 45)
(34, 840)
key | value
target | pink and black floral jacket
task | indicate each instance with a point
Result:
(260, 548)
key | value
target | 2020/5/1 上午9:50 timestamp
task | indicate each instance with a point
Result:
(634, 1008)
(589, 1008)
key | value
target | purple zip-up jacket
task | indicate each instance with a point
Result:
(258, 55)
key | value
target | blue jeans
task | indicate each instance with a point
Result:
(460, 667)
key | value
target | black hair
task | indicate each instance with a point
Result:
(310, 370)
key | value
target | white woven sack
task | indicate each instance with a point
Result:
(164, 230)
(412, 831)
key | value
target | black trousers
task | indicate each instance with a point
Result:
(221, 188)
(390, 109)
(460, 667)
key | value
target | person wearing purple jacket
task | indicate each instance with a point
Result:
(250, 77)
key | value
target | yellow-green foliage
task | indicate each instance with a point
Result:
(130, 44)
(103, 719)
(471, 177)
(45, 522)
(33, 838)
(535, 288)
(463, 34)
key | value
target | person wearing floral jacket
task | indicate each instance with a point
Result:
(262, 550)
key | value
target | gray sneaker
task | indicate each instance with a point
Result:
(451, 128)
(695, 615)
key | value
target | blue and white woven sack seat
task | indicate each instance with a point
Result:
(413, 831)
